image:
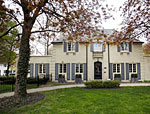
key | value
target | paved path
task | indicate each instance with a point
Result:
(68, 86)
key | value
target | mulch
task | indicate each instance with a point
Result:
(8, 103)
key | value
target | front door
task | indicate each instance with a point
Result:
(98, 70)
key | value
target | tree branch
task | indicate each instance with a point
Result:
(46, 31)
(9, 30)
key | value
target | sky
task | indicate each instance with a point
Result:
(109, 24)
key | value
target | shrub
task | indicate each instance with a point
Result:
(147, 81)
(134, 75)
(78, 75)
(103, 84)
(61, 76)
(117, 75)
(111, 84)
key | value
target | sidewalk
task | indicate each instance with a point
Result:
(68, 86)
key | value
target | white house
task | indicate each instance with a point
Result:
(93, 62)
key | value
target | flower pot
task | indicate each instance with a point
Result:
(119, 79)
(61, 80)
(78, 80)
(134, 80)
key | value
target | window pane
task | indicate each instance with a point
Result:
(130, 67)
(97, 47)
(81, 68)
(44, 69)
(64, 68)
(77, 68)
(125, 46)
(40, 65)
(69, 46)
(118, 68)
(114, 67)
(60, 68)
(134, 67)
(122, 46)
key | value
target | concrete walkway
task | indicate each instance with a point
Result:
(68, 86)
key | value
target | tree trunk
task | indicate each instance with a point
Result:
(7, 71)
(22, 65)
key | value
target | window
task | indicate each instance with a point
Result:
(132, 68)
(71, 46)
(79, 68)
(116, 68)
(42, 68)
(124, 46)
(97, 47)
(62, 68)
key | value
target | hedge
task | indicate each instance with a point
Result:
(103, 84)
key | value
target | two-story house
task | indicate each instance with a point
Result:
(92, 61)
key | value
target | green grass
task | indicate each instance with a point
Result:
(129, 100)
(9, 87)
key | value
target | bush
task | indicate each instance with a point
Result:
(103, 84)
(61, 76)
(111, 84)
(134, 75)
(78, 75)
(117, 75)
(147, 81)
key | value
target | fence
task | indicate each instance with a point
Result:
(7, 84)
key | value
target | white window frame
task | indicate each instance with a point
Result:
(72, 47)
(124, 47)
(131, 71)
(64, 68)
(118, 70)
(97, 47)
(79, 68)
(43, 70)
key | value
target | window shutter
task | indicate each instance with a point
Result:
(77, 47)
(130, 47)
(31, 70)
(65, 47)
(47, 70)
(111, 71)
(84, 72)
(122, 71)
(139, 70)
(73, 71)
(118, 48)
(68, 71)
(91, 47)
(56, 71)
(36, 70)
(127, 71)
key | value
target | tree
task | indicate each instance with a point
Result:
(8, 45)
(136, 23)
(76, 18)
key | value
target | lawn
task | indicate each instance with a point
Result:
(128, 100)
(8, 87)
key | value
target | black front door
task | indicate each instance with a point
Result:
(98, 70)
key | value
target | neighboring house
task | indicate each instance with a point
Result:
(93, 62)
(3, 68)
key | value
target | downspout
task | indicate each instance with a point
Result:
(108, 61)
(87, 62)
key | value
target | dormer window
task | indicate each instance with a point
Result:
(97, 47)
(71, 46)
(124, 46)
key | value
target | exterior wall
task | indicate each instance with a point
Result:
(39, 60)
(59, 57)
(146, 67)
